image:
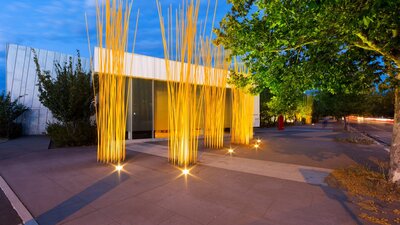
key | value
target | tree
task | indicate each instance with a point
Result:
(314, 37)
(69, 96)
(380, 102)
(267, 119)
(9, 112)
(339, 105)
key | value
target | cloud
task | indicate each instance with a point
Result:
(17, 6)
(90, 3)
(60, 25)
(93, 3)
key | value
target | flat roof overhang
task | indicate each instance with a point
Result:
(147, 67)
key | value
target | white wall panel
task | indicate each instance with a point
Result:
(19, 61)
(30, 82)
(50, 56)
(25, 73)
(256, 114)
(22, 81)
(11, 57)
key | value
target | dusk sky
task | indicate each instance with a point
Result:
(60, 25)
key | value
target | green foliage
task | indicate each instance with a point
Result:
(339, 104)
(368, 103)
(296, 107)
(305, 107)
(267, 118)
(69, 96)
(72, 134)
(286, 31)
(338, 47)
(380, 103)
(294, 45)
(9, 112)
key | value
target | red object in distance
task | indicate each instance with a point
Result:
(280, 123)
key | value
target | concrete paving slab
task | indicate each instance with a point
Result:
(136, 211)
(197, 209)
(153, 192)
(179, 220)
(95, 217)
(230, 216)
(292, 172)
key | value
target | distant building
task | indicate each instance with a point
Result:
(148, 106)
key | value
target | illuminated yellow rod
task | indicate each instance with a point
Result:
(242, 110)
(184, 106)
(113, 91)
(216, 69)
(308, 108)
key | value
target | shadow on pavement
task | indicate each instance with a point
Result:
(82, 199)
(335, 194)
(313, 176)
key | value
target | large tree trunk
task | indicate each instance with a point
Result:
(395, 149)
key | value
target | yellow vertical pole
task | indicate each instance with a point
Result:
(184, 106)
(242, 111)
(111, 112)
(216, 69)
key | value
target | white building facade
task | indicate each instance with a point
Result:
(21, 82)
(148, 105)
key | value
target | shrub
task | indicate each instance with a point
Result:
(69, 96)
(72, 134)
(9, 112)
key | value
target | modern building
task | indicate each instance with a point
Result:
(148, 105)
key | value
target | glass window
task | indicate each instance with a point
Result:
(142, 108)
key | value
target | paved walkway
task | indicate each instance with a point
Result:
(310, 146)
(293, 172)
(8, 216)
(68, 186)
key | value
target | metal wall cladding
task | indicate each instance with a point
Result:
(22, 82)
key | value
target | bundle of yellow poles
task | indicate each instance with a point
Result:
(184, 106)
(308, 108)
(242, 110)
(113, 86)
(184, 50)
(216, 69)
(185, 95)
